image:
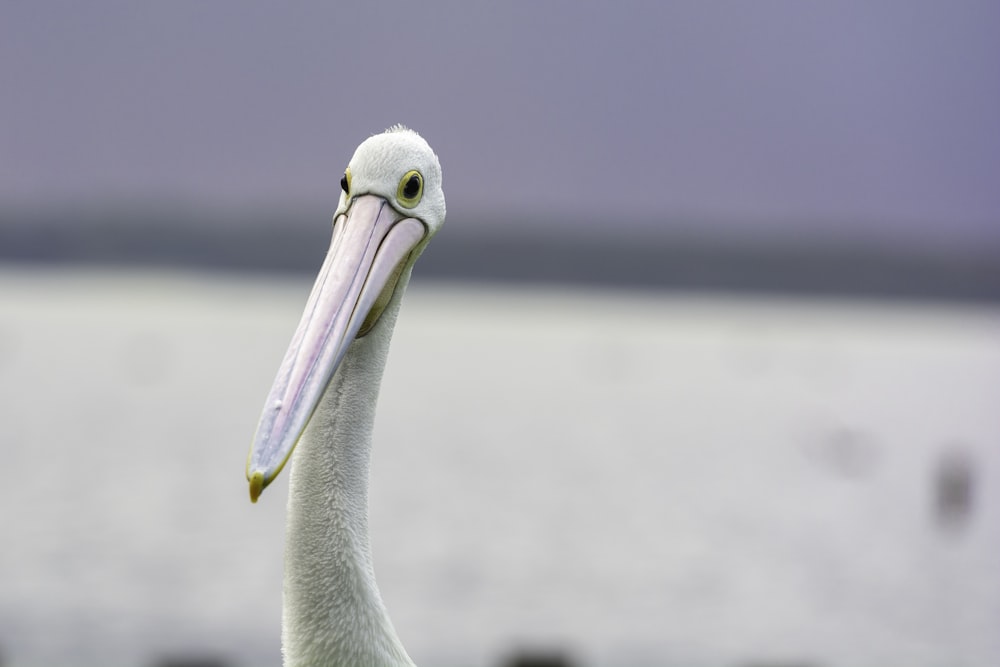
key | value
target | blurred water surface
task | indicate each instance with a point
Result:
(636, 478)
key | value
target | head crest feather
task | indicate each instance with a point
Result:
(399, 127)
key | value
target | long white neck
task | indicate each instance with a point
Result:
(333, 613)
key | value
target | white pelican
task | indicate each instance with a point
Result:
(324, 399)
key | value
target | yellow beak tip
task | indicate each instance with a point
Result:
(256, 485)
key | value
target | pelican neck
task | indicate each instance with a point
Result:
(333, 611)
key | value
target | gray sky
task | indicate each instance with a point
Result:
(876, 121)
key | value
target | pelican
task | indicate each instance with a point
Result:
(322, 404)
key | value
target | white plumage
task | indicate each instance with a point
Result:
(324, 400)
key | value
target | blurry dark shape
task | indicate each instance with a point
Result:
(847, 451)
(145, 357)
(954, 489)
(537, 658)
(192, 661)
(178, 236)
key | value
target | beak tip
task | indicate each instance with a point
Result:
(257, 485)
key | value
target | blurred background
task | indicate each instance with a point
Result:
(704, 368)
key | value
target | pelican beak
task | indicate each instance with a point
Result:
(370, 246)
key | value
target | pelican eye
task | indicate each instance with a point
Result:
(411, 188)
(345, 181)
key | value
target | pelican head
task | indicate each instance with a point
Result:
(391, 204)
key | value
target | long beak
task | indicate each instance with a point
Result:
(370, 245)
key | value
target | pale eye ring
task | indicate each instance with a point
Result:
(411, 189)
(345, 181)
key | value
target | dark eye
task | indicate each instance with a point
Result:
(345, 182)
(411, 187)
